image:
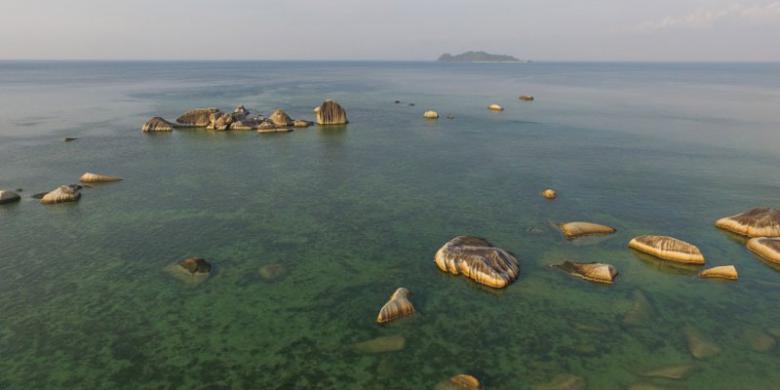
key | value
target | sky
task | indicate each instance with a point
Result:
(542, 30)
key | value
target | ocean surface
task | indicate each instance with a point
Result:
(349, 214)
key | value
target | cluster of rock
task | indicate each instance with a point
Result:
(61, 194)
(762, 226)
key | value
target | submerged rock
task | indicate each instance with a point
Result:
(678, 371)
(70, 139)
(460, 382)
(526, 98)
(280, 118)
(562, 382)
(301, 124)
(195, 266)
(381, 344)
(495, 107)
(479, 260)
(594, 272)
(398, 306)
(62, 194)
(758, 222)
(698, 345)
(641, 310)
(9, 197)
(330, 113)
(728, 272)
(667, 248)
(768, 248)
(153, 125)
(573, 230)
(90, 177)
(192, 271)
(431, 115)
(199, 117)
(759, 340)
(549, 194)
(272, 272)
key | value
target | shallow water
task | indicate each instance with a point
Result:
(353, 213)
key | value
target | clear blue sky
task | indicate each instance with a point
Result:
(631, 30)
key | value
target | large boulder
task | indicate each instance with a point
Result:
(198, 117)
(280, 118)
(8, 197)
(398, 306)
(668, 248)
(62, 194)
(330, 113)
(573, 230)
(155, 124)
(479, 260)
(90, 177)
(594, 272)
(758, 222)
(768, 248)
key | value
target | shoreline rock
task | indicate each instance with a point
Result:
(668, 248)
(398, 306)
(478, 260)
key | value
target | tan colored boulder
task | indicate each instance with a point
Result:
(768, 248)
(573, 230)
(562, 382)
(495, 108)
(398, 306)
(549, 194)
(526, 98)
(156, 124)
(728, 272)
(280, 118)
(62, 194)
(668, 248)
(758, 222)
(479, 260)
(699, 346)
(594, 272)
(460, 382)
(330, 113)
(9, 197)
(90, 177)
(431, 115)
(381, 344)
(199, 117)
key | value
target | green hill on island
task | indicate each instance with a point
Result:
(476, 56)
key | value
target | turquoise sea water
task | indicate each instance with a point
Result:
(352, 213)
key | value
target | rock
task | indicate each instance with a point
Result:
(646, 386)
(62, 194)
(758, 222)
(246, 124)
(460, 382)
(397, 102)
(398, 306)
(301, 124)
(721, 272)
(578, 229)
(330, 113)
(549, 194)
(594, 272)
(768, 248)
(479, 260)
(195, 266)
(699, 347)
(668, 248)
(280, 118)
(269, 127)
(641, 310)
(70, 139)
(562, 382)
(431, 115)
(411, 104)
(758, 340)
(677, 372)
(450, 117)
(272, 272)
(199, 117)
(97, 178)
(224, 121)
(9, 197)
(495, 107)
(240, 109)
(526, 98)
(156, 124)
(381, 344)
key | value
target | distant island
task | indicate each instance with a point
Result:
(477, 56)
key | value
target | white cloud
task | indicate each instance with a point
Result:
(703, 18)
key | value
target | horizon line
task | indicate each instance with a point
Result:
(521, 62)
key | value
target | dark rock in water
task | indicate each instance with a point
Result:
(460, 382)
(450, 117)
(397, 102)
(199, 117)
(156, 124)
(527, 98)
(398, 306)
(758, 222)
(62, 194)
(330, 113)
(668, 248)
(70, 139)
(381, 344)
(411, 104)
(272, 272)
(195, 266)
(562, 382)
(19, 190)
(9, 197)
(241, 110)
(594, 272)
(479, 260)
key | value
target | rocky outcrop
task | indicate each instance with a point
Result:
(477, 259)
(398, 306)
(381, 344)
(62, 194)
(330, 113)
(573, 230)
(594, 272)
(153, 125)
(460, 382)
(495, 107)
(668, 248)
(199, 117)
(728, 272)
(90, 177)
(431, 115)
(280, 118)
(758, 222)
(768, 248)
(9, 197)
(549, 194)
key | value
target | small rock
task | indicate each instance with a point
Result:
(199, 117)
(728, 272)
(381, 344)
(549, 194)
(301, 124)
(431, 115)
(240, 109)
(495, 107)
(411, 104)
(195, 266)
(272, 272)
(70, 139)
(398, 306)
(280, 118)
(450, 117)
(594, 272)
(397, 102)
(668, 248)
(641, 310)
(526, 98)
(97, 178)
(573, 230)
(9, 197)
